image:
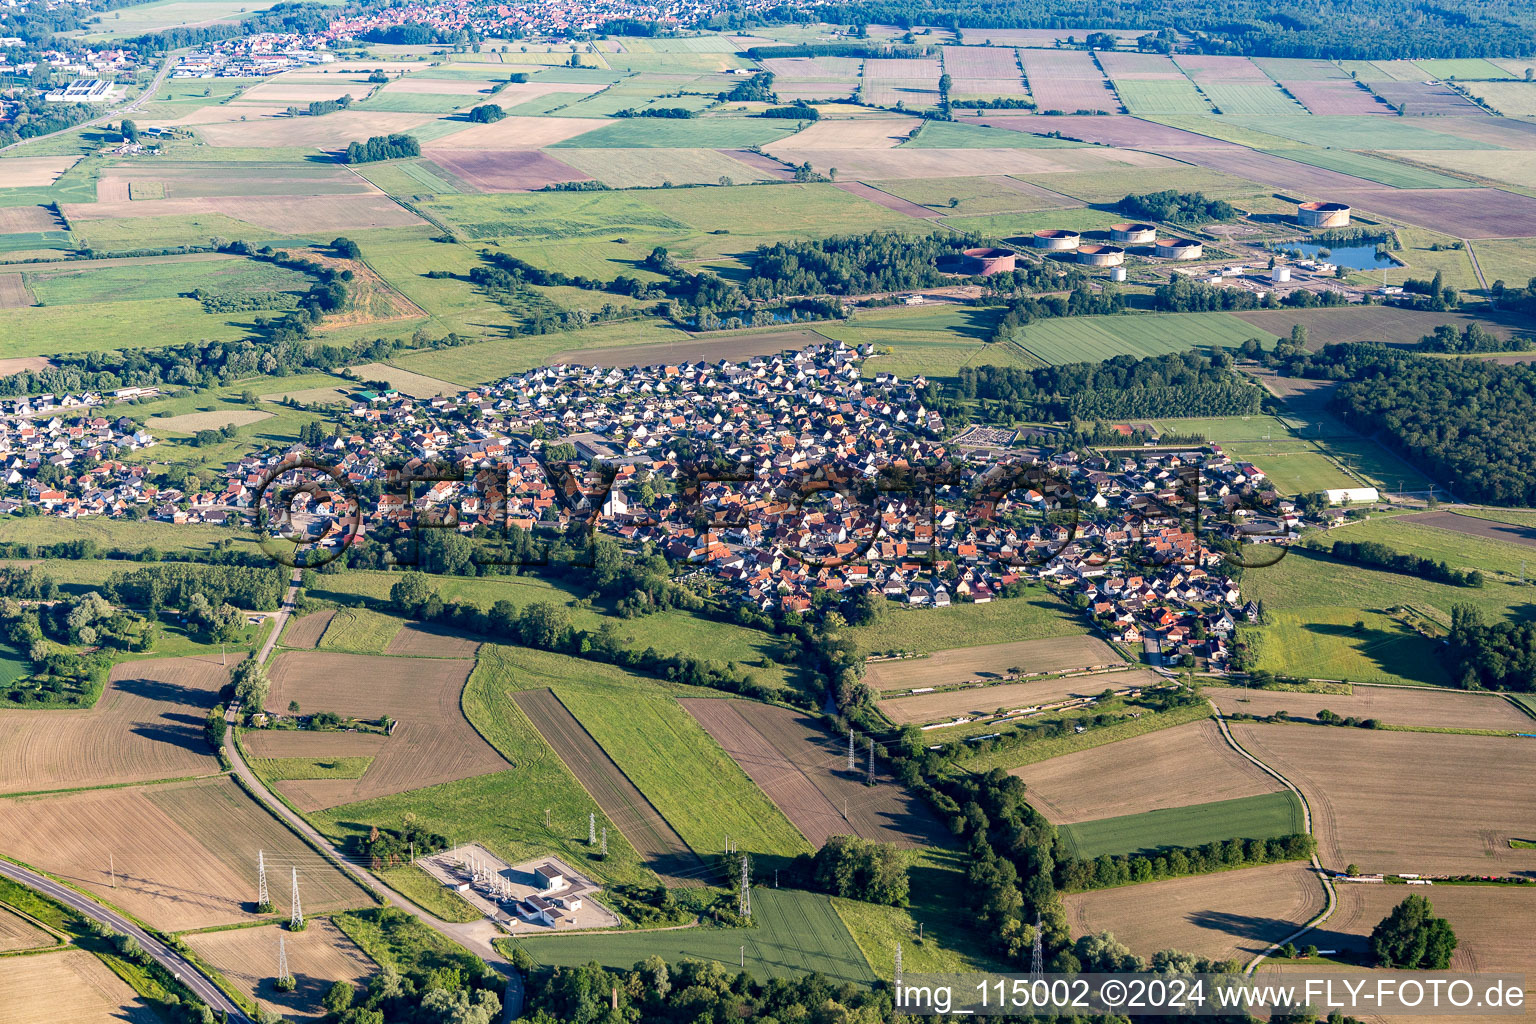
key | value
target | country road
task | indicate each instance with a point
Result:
(127, 108)
(475, 936)
(166, 957)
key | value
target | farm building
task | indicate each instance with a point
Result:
(1323, 215)
(1100, 255)
(1133, 234)
(1346, 495)
(1179, 249)
(1056, 239)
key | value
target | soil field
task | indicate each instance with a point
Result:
(1188, 764)
(184, 852)
(1420, 98)
(192, 422)
(890, 202)
(1454, 812)
(491, 171)
(192, 179)
(1067, 80)
(294, 744)
(432, 742)
(991, 662)
(1275, 171)
(805, 772)
(1472, 526)
(305, 632)
(318, 957)
(15, 219)
(422, 640)
(417, 385)
(1439, 709)
(908, 162)
(720, 346)
(652, 168)
(13, 292)
(1205, 68)
(1231, 914)
(1112, 130)
(875, 133)
(21, 364)
(148, 724)
(1336, 98)
(1461, 212)
(35, 171)
(1368, 323)
(985, 700)
(284, 214)
(513, 133)
(71, 986)
(662, 849)
(333, 131)
(16, 932)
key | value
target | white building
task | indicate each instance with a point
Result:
(1352, 495)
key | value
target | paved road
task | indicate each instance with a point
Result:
(168, 958)
(475, 936)
(127, 108)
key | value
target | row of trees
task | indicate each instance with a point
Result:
(1379, 556)
(1108, 871)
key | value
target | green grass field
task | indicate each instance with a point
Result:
(551, 216)
(1044, 750)
(1360, 132)
(359, 630)
(1267, 816)
(1250, 99)
(282, 769)
(1161, 96)
(1094, 338)
(777, 210)
(1466, 67)
(125, 535)
(160, 279)
(793, 933)
(690, 133)
(669, 757)
(952, 135)
(1512, 99)
(975, 195)
(1111, 186)
(651, 168)
(1030, 617)
(1224, 430)
(1295, 466)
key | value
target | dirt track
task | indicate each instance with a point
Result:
(661, 847)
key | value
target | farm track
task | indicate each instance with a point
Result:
(657, 842)
(1317, 867)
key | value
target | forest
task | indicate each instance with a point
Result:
(1501, 656)
(383, 147)
(1369, 552)
(1175, 207)
(1183, 384)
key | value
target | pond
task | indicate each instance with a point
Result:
(1353, 257)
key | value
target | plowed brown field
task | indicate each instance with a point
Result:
(71, 986)
(991, 661)
(419, 639)
(318, 957)
(305, 632)
(1444, 709)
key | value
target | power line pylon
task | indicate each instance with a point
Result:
(1037, 958)
(282, 959)
(262, 898)
(871, 779)
(851, 765)
(591, 829)
(745, 904)
(297, 920)
(898, 965)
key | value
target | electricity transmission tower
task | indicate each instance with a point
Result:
(603, 849)
(898, 965)
(1037, 958)
(745, 902)
(261, 879)
(282, 959)
(851, 765)
(591, 829)
(871, 779)
(297, 921)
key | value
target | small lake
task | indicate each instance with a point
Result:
(1353, 257)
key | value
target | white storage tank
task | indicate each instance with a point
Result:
(1117, 273)
(1280, 274)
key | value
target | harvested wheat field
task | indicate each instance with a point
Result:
(991, 662)
(423, 640)
(70, 986)
(285, 91)
(275, 213)
(318, 957)
(184, 852)
(35, 171)
(22, 364)
(432, 742)
(15, 219)
(1228, 915)
(147, 725)
(493, 171)
(805, 772)
(13, 292)
(417, 385)
(1423, 803)
(517, 132)
(263, 743)
(16, 932)
(1443, 709)
(305, 631)
(658, 844)
(333, 131)
(875, 133)
(984, 701)
(1188, 764)
(192, 422)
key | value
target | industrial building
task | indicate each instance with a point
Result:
(83, 90)
(1323, 215)
(1179, 249)
(1056, 240)
(1100, 255)
(1133, 234)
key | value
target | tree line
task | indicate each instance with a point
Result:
(1380, 556)
(1491, 656)
(394, 146)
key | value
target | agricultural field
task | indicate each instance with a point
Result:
(1466, 803)
(991, 663)
(792, 933)
(986, 701)
(182, 854)
(1263, 816)
(1067, 80)
(1228, 915)
(148, 724)
(1177, 767)
(1034, 616)
(318, 957)
(1092, 338)
(1422, 708)
(804, 772)
(359, 631)
(431, 742)
(18, 933)
(73, 986)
